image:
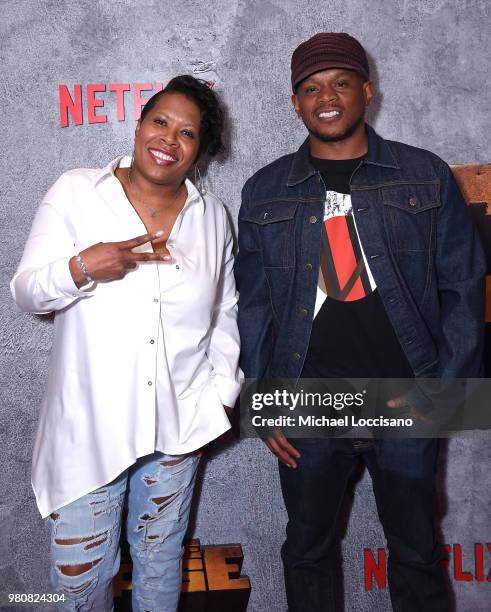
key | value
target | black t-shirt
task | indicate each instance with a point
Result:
(351, 334)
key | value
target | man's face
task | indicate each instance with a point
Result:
(332, 103)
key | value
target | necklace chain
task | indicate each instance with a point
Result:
(153, 213)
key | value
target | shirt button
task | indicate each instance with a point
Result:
(152, 341)
(149, 383)
(177, 267)
(308, 267)
(296, 356)
(313, 219)
(303, 312)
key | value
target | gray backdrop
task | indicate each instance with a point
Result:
(430, 62)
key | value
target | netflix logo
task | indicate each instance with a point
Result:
(90, 103)
(474, 566)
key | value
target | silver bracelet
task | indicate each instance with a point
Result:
(83, 267)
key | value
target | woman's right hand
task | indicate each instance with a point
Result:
(107, 261)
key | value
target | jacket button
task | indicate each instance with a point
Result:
(313, 219)
(296, 356)
(413, 201)
(303, 312)
(308, 267)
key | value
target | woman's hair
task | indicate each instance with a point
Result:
(212, 116)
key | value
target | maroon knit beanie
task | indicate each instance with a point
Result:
(328, 50)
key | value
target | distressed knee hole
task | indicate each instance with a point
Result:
(95, 544)
(162, 500)
(78, 590)
(79, 569)
(92, 541)
(171, 462)
(161, 503)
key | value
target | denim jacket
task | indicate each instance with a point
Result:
(419, 239)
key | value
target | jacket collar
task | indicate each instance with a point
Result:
(379, 151)
(379, 154)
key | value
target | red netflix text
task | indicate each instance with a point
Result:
(90, 103)
(471, 566)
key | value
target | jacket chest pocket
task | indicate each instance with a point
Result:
(275, 225)
(411, 212)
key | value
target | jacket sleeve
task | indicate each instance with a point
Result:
(224, 346)
(43, 282)
(255, 314)
(461, 269)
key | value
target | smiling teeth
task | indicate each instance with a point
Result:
(162, 156)
(329, 114)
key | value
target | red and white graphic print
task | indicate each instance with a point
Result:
(344, 274)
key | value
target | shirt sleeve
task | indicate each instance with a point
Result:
(43, 282)
(224, 344)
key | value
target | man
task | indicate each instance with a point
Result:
(357, 258)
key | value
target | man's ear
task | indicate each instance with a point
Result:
(368, 91)
(296, 107)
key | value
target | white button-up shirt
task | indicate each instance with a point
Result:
(139, 364)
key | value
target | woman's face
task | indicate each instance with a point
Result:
(167, 141)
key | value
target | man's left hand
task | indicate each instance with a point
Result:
(402, 403)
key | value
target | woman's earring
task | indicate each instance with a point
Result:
(130, 168)
(198, 179)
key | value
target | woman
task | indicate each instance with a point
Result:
(145, 352)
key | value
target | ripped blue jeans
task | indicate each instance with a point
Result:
(85, 553)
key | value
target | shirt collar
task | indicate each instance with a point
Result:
(379, 154)
(124, 161)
